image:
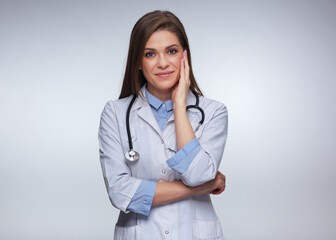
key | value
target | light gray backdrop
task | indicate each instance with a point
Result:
(271, 62)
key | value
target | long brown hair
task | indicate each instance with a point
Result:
(142, 30)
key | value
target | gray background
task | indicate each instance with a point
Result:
(271, 62)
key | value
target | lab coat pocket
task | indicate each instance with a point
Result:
(122, 233)
(207, 230)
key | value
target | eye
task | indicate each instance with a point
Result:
(149, 54)
(172, 51)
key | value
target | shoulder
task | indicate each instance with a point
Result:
(212, 106)
(114, 113)
(115, 106)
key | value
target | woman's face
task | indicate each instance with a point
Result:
(161, 63)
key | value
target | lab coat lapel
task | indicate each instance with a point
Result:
(191, 99)
(145, 112)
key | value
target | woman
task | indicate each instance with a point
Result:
(165, 193)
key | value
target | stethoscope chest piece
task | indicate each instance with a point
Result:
(132, 155)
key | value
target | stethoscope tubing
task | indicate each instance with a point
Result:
(132, 155)
(127, 123)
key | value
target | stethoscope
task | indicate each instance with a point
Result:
(132, 155)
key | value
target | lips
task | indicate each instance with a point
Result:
(165, 74)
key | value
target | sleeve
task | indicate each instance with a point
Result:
(120, 184)
(143, 198)
(203, 164)
(182, 159)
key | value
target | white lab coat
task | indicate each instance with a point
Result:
(187, 219)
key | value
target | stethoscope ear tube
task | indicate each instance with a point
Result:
(200, 109)
(131, 154)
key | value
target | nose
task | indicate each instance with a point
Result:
(162, 61)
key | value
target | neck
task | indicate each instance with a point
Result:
(162, 95)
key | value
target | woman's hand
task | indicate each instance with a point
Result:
(215, 186)
(222, 184)
(180, 90)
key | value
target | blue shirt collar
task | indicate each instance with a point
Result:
(156, 103)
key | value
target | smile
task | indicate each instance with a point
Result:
(165, 74)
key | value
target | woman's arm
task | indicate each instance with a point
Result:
(199, 161)
(167, 192)
(183, 130)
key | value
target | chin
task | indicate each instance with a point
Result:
(163, 85)
(168, 85)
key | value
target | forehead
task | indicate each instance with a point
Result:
(161, 39)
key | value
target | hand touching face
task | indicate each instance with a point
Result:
(180, 90)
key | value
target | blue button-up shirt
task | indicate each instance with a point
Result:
(161, 110)
(143, 198)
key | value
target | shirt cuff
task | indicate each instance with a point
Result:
(182, 159)
(143, 198)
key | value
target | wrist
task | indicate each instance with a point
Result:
(190, 191)
(196, 190)
(179, 105)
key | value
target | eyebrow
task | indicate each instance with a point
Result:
(153, 49)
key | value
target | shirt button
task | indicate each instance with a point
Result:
(163, 171)
(162, 141)
(166, 232)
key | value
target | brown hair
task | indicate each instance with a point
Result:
(142, 30)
